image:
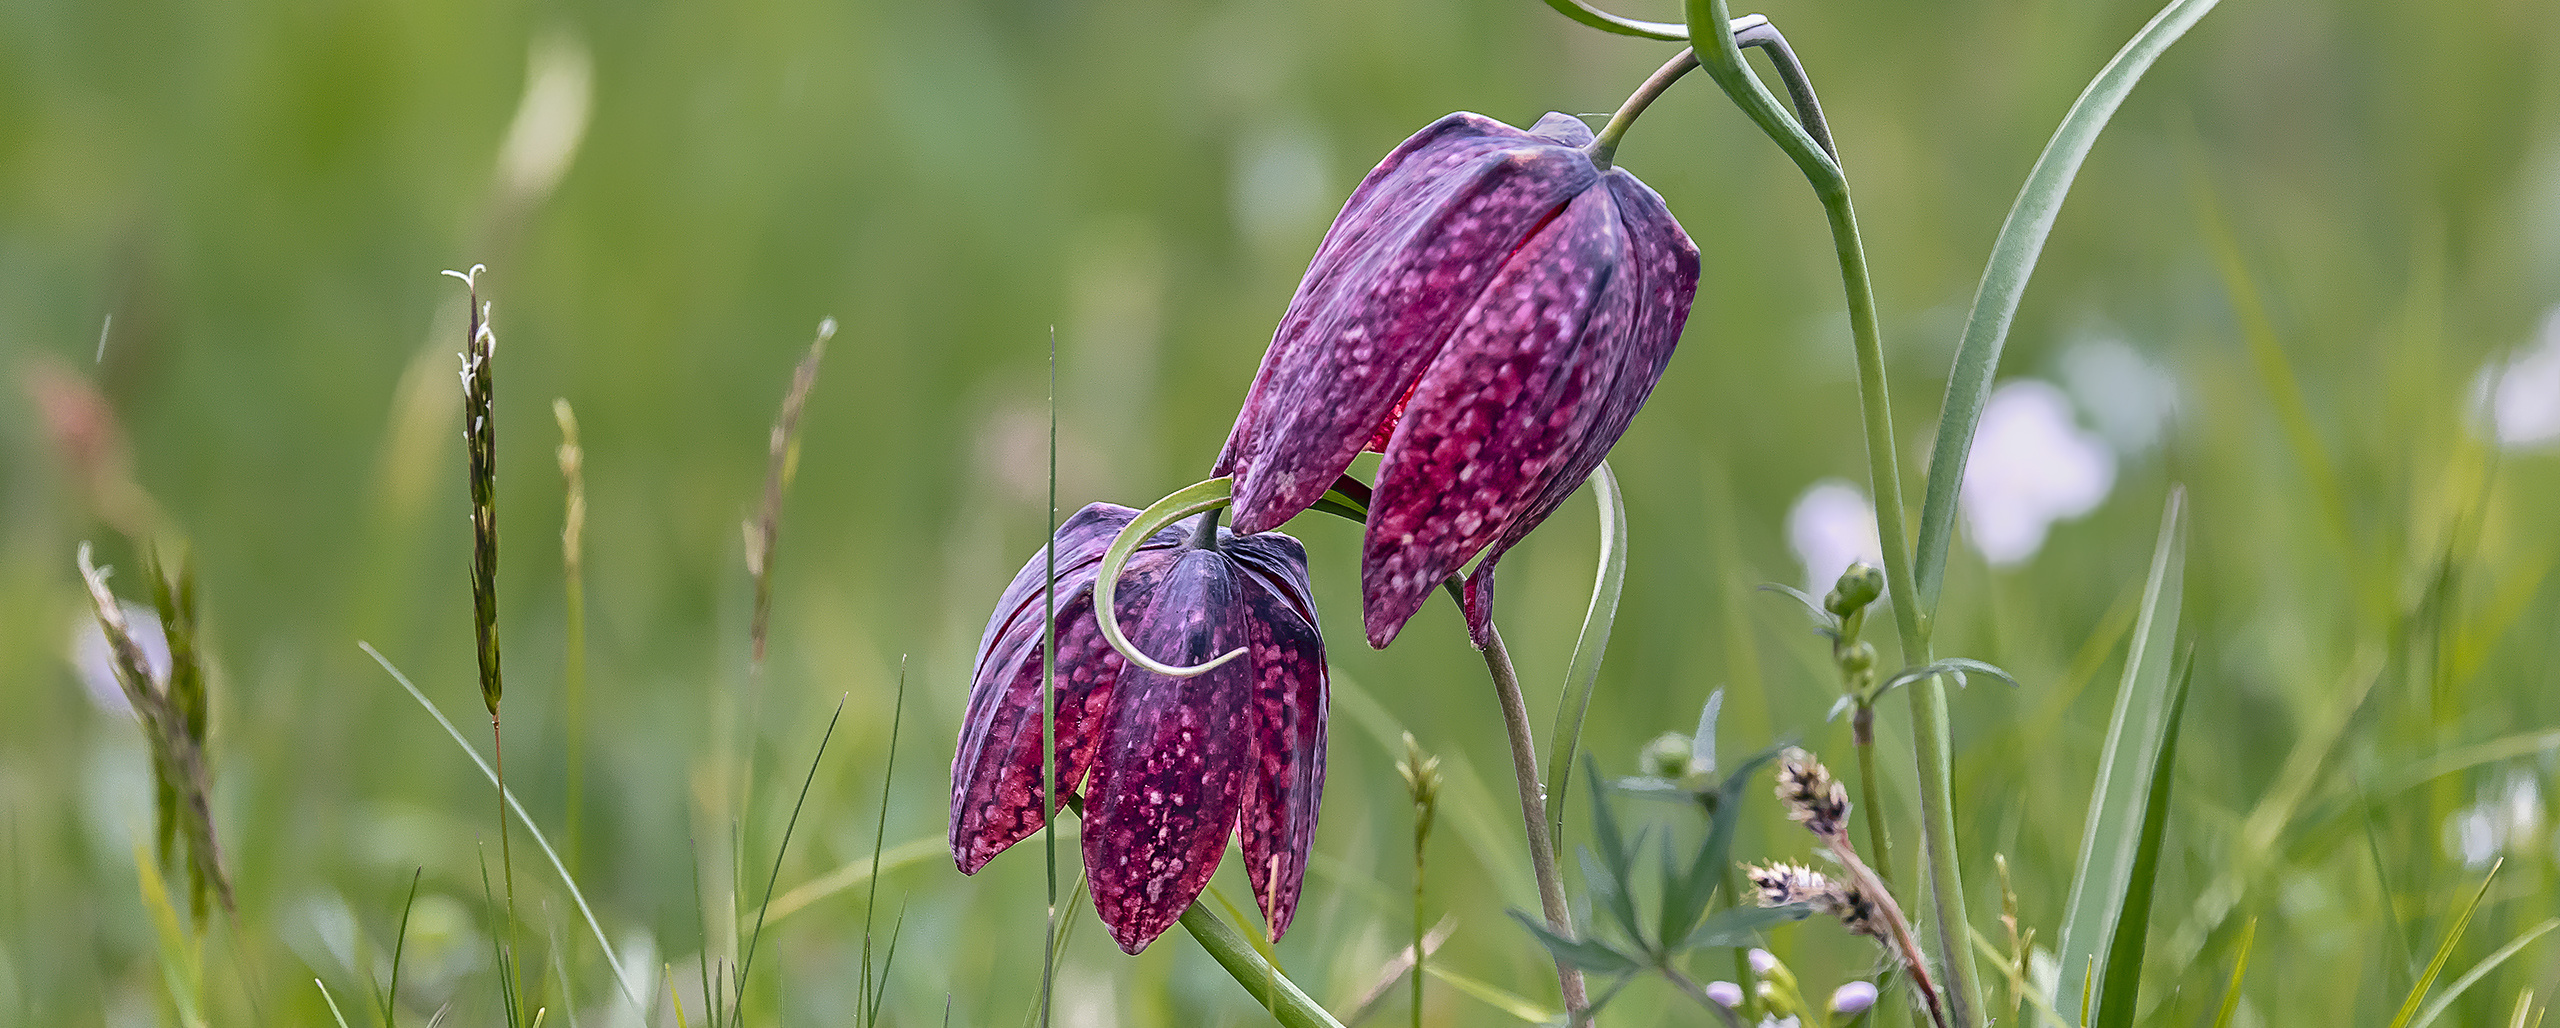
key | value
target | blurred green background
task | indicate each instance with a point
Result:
(2320, 220)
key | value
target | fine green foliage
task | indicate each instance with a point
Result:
(2479, 971)
(2239, 973)
(2004, 278)
(2444, 953)
(2111, 835)
(612, 961)
(2118, 991)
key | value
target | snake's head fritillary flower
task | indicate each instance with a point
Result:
(1488, 311)
(1167, 767)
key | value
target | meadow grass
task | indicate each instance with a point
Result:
(2323, 245)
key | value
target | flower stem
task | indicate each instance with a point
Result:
(1862, 732)
(1533, 803)
(1287, 1003)
(1604, 148)
(1723, 62)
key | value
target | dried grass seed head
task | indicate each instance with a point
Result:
(1811, 795)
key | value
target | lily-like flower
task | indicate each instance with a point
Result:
(1167, 767)
(1488, 311)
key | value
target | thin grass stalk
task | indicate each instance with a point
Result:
(1533, 804)
(1049, 702)
(747, 963)
(879, 836)
(573, 576)
(1723, 62)
(567, 881)
(480, 445)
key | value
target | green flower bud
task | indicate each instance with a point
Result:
(1859, 585)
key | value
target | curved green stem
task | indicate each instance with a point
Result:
(1288, 1004)
(1198, 498)
(1533, 804)
(1604, 147)
(1723, 62)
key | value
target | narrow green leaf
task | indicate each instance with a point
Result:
(2418, 992)
(2004, 278)
(1610, 23)
(2111, 831)
(1708, 870)
(2122, 986)
(1617, 860)
(2481, 970)
(2239, 968)
(1184, 502)
(334, 1013)
(1582, 673)
(1583, 954)
(1500, 999)
(1741, 926)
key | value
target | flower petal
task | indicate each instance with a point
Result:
(995, 772)
(1664, 263)
(1416, 246)
(1277, 824)
(1499, 412)
(1170, 776)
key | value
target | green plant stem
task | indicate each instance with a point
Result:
(1533, 803)
(1862, 732)
(1421, 831)
(1287, 1003)
(1723, 62)
(1604, 147)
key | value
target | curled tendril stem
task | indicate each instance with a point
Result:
(1212, 495)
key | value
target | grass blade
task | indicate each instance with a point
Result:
(2418, 992)
(620, 976)
(2239, 968)
(1496, 997)
(334, 1013)
(2481, 970)
(1582, 673)
(2004, 279)
(2110, 834)
(2119, 990)
(747, 963)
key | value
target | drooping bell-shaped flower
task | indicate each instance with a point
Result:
(1168, 767)
(1488, 311)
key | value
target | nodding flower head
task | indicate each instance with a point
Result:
(1488, 311)
(1167, 767)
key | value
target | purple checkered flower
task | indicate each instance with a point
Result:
(1488, 311)
(1168, 767)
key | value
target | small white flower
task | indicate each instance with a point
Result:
(1763, 961)
(1853, 997)
(2520, 396)
(2031, 466)
(1726, 994)
(1774, 1021)
(1831, 525)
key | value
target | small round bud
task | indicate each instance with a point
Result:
(1858, 586)
(1667, 756)
(1858, 659)
(1726, 994)
(1763, 961)
(1853, 997)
